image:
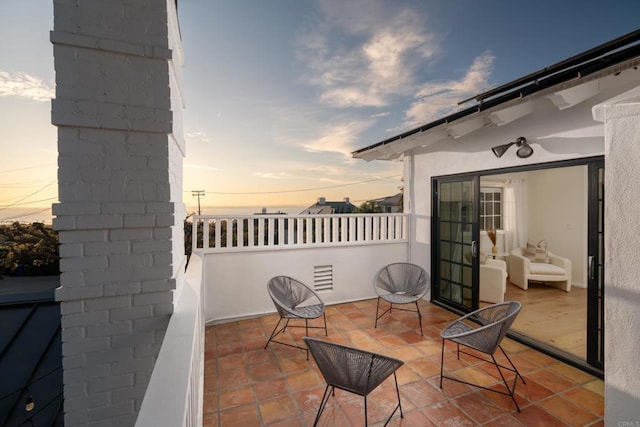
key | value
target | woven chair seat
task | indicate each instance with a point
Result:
(309, 312)
(351, 369)
(399, 298)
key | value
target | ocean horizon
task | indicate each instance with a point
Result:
(44, 215)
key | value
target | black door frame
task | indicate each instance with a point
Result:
(595, 336)
(595, 276)
(462, 263)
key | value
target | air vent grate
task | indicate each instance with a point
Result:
(323, 278)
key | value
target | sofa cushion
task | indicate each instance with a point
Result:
(537, 253)
(544, 268)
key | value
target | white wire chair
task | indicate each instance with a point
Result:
(400, 283)
(353, 370)
(483, 330)
(294, 300)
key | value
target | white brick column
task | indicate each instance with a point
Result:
(120, 149)
(622, 269)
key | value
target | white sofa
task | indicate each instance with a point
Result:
(493, 280)
(556, 273)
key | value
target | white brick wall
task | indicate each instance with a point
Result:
(118, 111)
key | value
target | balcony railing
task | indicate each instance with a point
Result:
(217, 233)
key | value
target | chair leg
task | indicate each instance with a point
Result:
(442, 363)
(419, 317)
(323, 402)
(326, 333)
(306, 334)
(377, 308)
(395, 378)
(511, 390)
(277, 331)
(518, 374)
(274, 333)
(366, 421)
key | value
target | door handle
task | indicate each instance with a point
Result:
(474, 248)
(592, 269)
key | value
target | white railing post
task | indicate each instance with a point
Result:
(251, 232)
(194, 235)
(240, 234)
(300, 230)
(205, 233)
(281, 233)
(218, 234)
(260, 232)
(384, 224)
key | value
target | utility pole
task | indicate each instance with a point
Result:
(198, 194)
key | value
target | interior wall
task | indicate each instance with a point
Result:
(558, 214)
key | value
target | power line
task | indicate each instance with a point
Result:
(26, 197)
(304, 189)
(29, 203)
(29, 167)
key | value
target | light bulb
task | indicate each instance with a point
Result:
(30, 404)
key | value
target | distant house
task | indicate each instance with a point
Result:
(322, 207)
(265, 212)
(390, 204)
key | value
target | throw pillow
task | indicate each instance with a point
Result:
(537, 253)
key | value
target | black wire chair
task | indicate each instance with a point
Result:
(483, 330)
(401, 283)
(294, 300)
(353, 370)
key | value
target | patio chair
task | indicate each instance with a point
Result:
(294, 300)
(400, 283)
(353, 370)
(489, 327)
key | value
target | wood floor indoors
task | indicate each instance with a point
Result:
(552, 316)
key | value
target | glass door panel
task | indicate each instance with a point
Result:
(455, 252)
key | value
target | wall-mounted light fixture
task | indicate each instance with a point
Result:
(524, 149)
(29, 404)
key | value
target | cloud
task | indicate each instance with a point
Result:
(435, 100)
(339, 138)
(205, 167)
(331, 170)
(23, 85)
(378, 115)
(272, 175)
(363, 53)
(198, 135)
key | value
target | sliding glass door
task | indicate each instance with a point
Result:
(568, 186)
(455, 254)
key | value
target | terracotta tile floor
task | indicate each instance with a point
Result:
(246, 385)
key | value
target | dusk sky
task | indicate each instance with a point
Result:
(278, 93)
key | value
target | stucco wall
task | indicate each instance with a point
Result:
(236, 283)
(622, 273)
